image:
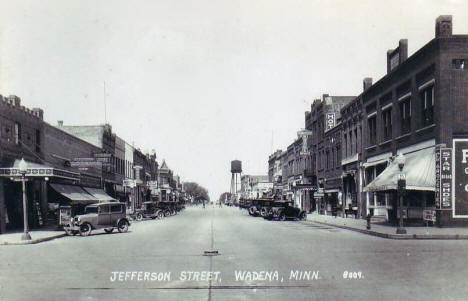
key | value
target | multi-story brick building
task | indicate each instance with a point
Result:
(419, 105)
(275, 172)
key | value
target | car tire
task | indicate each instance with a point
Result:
(167, 213)
(123, 226)
(282, 217)
(160, 215)
(303, 216)
(85, 229)
(108, 230)
(139, 217)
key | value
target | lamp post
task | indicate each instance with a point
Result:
(23, 169)
(401, 185)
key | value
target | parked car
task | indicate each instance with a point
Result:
(149, 210)
(168, 207)
(282, 210)
(255, 208)
(106, 215)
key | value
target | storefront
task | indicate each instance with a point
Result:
(419, 171)
(37, 176)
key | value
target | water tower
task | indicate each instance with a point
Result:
(236, 170)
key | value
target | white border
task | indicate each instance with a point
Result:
(453, 178)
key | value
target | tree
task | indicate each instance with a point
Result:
(224, 197)
(198, 192)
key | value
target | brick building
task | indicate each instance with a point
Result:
(420, 105)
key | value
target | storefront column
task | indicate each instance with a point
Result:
(44, 200)
(2, 208)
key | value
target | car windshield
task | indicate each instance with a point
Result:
(91, 209)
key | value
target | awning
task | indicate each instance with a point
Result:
(74, 193)
(99, 194)
(419, 170)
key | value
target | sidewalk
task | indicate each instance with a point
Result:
(388, 231)
(36, 237)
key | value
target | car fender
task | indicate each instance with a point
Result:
(122, 218)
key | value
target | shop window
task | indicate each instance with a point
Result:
(427, 105)
(405, 116)
(387, 124)
(372, 125)
(381, 199)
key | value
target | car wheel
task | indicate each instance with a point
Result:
(85, 229)
(139, 217)
(68, 232)
(303, 216)
(282, 217)
(167, 213)
(108, 230)
(123, 226)
(160, 214)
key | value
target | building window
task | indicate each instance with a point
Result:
(345, 140)
(405, 116)
(356, 140)
(387, 124)
(427, 104)
(350, 142)
(458, 64)
(17, 133)
(372, 124)
(38, 141)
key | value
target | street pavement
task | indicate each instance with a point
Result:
(126, 266)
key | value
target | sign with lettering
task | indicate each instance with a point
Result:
(429, 215)
(446, 168)
(460, 178)
(330, 121)
(129, 183)
(437, 177)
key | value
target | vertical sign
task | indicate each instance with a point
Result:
(446, 186)
(437, 178)
(460, 178)
(330, 121)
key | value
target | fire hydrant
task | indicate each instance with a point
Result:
(368, 218)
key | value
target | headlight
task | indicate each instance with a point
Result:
(77, 218)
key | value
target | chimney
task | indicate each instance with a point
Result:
(397, 56)
(366, 83)
(443, 26)
(15, 99)
(60, 122)
(403, 49)
(39, 113)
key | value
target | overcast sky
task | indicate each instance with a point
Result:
(203, 82)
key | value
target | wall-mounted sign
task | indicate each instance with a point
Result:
(437, 177)
(330, 121)
(445, 189)
(129, 183)
(460, 178)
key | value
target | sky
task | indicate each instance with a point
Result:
(203, 82)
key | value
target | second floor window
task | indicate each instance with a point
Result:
(17, 133)
(427, 105)
(405, 116)
(372, 125)
(387, 124)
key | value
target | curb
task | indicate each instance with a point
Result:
(33, 241)
(398, 236)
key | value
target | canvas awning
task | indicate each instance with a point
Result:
(419, 170)
(76, 194)
(99, 194)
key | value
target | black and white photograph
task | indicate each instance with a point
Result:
(222, 150)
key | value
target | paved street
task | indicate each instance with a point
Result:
(80, 268)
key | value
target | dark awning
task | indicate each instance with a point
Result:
(99, 194)
(74, 193)
(419, 170)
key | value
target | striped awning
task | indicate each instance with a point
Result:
(419, 170)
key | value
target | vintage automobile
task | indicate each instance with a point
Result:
(149, 210)
(106, 215)
(256, 206)
(282, 210)
(168, 207)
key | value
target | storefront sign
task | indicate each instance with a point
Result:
(437, 177)
(429, 215)
(330, 121)
(129, 183)
(460, 178)
(446, 168)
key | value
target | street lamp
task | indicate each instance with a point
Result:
(401, 185)
(23, 169)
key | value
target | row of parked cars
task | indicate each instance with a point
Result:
(273, 209)
(113, 215)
